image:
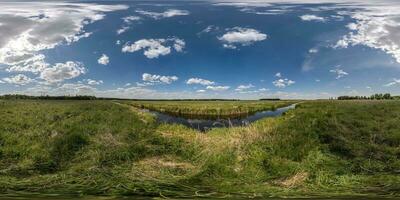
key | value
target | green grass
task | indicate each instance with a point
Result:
(210, 109)
(322, 148)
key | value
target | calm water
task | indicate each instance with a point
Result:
(206, 124)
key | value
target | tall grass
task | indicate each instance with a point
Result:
(209, 109)
(322, 148)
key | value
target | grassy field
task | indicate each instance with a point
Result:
(210, 109)
(322, 148)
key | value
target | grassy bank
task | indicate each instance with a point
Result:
(322, 148)
(210, 109)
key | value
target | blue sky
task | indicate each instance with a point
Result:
(200, 49)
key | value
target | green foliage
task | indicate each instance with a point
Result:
(372, 97)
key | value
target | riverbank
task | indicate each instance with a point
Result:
(210, 109)
(322, 148)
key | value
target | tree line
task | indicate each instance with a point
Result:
(27, 97)
(380, 96)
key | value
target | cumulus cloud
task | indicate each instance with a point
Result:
(127, 23)
(93, 82)
(30, 27)
(19, 79)
(375, 27)
(166, 14)
(153, 48)
(312, 18)
(393, 82)
(34, 64)
(104, 60)
(283, 82)
(242, 36)
(179, 45)
(131, 18)
(158, 78)
(217, 88)
(244, 87)
(339, 73)
(199, 81)
(62, 71)
(278, 75)
(200, 91)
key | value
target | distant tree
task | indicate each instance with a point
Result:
(385, 96)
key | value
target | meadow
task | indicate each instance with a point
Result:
(210, 109)
(112, 148)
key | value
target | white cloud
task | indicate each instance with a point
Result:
(209, 29)
(339, 73)
(131, 18)
(18, 79)
(199, 81)
(283, 82)
(375, 27)
(244, 87)
(217, 88)
(312, 18)
(179, 45)
(123, 29)
(278, 75)
(263, 89)
(76, 38)
(62, 71)
(104, 60)
(34, 64)
(229, 46)
(128, 21)
(393, 82)
(153, 48)
(200, 91)
(31, 27)
(166, 14)
(313, 50)
(158, 78)
(93, 82)
(75, 89)
(242, 36)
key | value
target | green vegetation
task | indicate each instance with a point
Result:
(322, 148)
(385, 96)
(207, 109)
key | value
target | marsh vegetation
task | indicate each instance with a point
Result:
(210, 110)
(321, 148)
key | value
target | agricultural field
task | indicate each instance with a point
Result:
(112, 148)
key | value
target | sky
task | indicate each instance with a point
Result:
(286, 49)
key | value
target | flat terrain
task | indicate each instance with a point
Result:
(322, 148)
(210, 108)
